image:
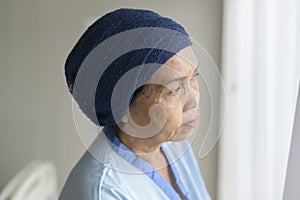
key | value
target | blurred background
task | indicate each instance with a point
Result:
(254, 43)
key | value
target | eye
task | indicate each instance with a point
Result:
(195, 75)
(175, 92)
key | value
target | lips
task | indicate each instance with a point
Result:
(191, 123)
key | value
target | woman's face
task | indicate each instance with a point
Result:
(174, 92)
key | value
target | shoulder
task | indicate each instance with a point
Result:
(84, 179)
(93, 180)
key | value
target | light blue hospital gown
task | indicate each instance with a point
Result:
(113, 171)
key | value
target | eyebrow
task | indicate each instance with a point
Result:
(180, 78)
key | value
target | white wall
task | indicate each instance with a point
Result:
(36, 36)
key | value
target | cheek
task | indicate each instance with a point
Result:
(174, 110)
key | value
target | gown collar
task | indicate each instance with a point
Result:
(145, 166)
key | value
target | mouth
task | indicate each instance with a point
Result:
(191, 124)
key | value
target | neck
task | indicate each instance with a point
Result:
(146, 148)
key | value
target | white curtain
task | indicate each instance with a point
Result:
(261, 71)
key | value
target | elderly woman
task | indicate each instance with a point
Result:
(134, 73)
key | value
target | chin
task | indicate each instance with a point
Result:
(183, 133)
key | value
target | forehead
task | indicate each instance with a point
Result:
(184, 61)
(183, 64)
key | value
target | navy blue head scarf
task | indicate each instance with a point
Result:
(115, 44)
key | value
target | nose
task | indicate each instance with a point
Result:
(191, 98)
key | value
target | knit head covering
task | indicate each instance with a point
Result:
(117, 54)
